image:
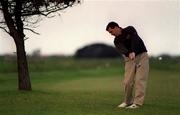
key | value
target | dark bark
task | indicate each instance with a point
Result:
(23, 73)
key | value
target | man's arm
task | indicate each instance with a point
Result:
(134, 42)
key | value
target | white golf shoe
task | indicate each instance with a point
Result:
(123, 105)
(133, 106)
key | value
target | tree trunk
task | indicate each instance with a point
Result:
(23, 73)
(18, 36)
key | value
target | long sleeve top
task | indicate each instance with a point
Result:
(129, 41)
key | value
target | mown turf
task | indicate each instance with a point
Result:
(94, 89)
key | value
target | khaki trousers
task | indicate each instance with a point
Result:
(135, 78)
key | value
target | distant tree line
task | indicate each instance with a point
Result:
(97, 50)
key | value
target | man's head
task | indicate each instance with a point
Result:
(114, 29)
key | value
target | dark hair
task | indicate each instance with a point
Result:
(111, 25)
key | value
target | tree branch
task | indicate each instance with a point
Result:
(5, 30)
(29, 10)
(32, 31)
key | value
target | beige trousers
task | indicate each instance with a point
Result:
(135, 78)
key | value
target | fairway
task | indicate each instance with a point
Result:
(87, 87)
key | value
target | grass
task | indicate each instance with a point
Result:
(87, 87)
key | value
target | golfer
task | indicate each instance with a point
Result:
(131, 46)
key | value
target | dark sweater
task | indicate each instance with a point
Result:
(129, 41)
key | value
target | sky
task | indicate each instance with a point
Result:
(156, 21)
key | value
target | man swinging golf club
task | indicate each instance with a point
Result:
(131, 46)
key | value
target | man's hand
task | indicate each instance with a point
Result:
(132, 55)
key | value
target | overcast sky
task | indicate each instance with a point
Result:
(156, 21)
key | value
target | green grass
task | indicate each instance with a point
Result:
(86, 87)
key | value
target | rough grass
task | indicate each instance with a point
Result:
(87, 87)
